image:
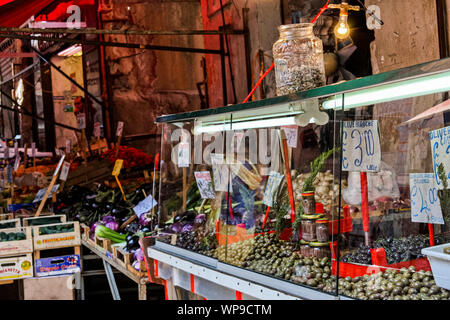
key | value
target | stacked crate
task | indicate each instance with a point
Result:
(48, 236)
(16, 250)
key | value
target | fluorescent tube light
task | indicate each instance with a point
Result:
(265, 123)
(390, 92)
(74, 50)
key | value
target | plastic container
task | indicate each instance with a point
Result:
(321, 250)
(309, 203)
(440, 264)
(306, 250)
(298, 56)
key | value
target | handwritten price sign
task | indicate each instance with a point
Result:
(440, 149)
(361, 146)
(221, 172)
(291, 133)
(425, 205)
(271, 188)
(204, 184)
(144, 206)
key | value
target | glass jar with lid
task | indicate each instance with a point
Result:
(309, 229)
(322, 231)
(320, 249)
(298, 59)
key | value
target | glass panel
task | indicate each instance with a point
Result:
(382, 256)
(276, 222)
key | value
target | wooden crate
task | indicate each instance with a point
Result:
(125, 259)
(6, 216)
(56, 240)
(17, 247)
(60, 287)
(145, 243)
(34, 221)
(102, 244)
(18, 267)
(32, 215)
(86, 234)
(4, 222)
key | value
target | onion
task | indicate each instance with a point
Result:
(176, 227)
(112, 225)
(200, 219)
(107, 219)
(138, 255)
(95, 226)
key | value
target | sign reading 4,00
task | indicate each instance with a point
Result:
(361, 146)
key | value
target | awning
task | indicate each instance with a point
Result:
(16, 12)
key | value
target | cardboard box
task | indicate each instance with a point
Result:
(50, 288)
(16, 267)
(57, 265)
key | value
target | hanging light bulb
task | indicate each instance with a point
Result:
(342, 30)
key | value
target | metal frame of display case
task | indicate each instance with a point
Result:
(423, 79)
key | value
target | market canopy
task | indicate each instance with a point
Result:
(13, 13)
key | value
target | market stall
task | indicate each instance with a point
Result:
(249, 203)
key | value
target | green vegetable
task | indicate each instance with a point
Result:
(316, 166)
(104, 232)
(41, 221)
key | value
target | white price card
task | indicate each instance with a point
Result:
(145, 206)
(361, 146)
(291, 133)
(204, 184)
(221, 172)
(81, 121)
(97, 130)
(33, 149)
(425, 204)
(59, 165)
(41, 193)
(440, 149)
(64, 171)
(184, 154)
(16, 163)
(273, 183)
(119, 129)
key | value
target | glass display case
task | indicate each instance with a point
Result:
(340, 189)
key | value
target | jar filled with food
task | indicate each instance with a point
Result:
(305, 249)
(320, 249)
(309, 230)
(322, 231)
(298, 56)
(309, 203)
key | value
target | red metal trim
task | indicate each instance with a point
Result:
(431, 233)
(192, 284)
(238, 295)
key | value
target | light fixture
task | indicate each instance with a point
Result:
(389, 92)
(243, 125)
(342, 30)
(75, 50)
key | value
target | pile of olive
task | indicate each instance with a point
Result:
(269, 255)
(397, 250)
(403, 284)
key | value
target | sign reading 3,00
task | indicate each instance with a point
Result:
(361, 149)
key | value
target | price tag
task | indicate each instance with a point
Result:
(144, 206)
(440, 149)
(97, 129)
(33, 149)
(117, 167)
(16, 164)
(64, 171)
(204, 184)
(41, 193)
(67, 146)
(59, 166)
(221, 172)
(184, 154)
(81, 121)
(119, 129)
(361, 146)
(273, 183)
(291, 133)
(425, 204)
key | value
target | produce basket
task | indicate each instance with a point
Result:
(15, 241)
(57, 235)
(37, 221)
(8, 224)
(440, 264)
(145, 243)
